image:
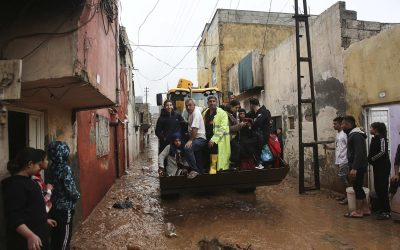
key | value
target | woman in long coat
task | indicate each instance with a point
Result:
(168, 123)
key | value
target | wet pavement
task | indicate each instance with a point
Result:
(274, 217)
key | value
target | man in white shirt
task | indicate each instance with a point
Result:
(341, 155)
(197, 139)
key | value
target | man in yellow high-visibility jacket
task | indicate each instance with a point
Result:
(217, 134)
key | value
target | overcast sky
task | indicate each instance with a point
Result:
(180, 22)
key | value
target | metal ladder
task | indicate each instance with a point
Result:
(303, 18)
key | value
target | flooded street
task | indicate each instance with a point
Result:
(274, 217)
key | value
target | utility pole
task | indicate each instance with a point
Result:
(146, 92)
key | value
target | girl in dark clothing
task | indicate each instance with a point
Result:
(168, 123)
(378, 157)
(23, 204)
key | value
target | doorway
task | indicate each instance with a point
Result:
(17, 132)
(25, 129)
(389, 115)
(276, 123)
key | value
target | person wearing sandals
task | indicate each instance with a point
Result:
(378, 157)
(358, 163)
(340, 155)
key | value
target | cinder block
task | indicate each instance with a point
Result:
(386, 26)
(354, 24)
(363, 34)
(372, 26)
(349, 14)
(350, 33)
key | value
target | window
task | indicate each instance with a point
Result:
(213, 73)
(291, 122)
(102, 136)
(141, 117)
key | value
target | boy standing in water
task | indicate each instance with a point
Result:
(340, 155)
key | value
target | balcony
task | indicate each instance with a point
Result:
(68, 51)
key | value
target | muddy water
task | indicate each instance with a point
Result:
(271, 218)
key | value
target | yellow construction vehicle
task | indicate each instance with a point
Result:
(185, 90)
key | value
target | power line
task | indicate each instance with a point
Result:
(266, 26)
(173, 46)
(237, 6)
(212, 13)
(5, 44)
(164, 62)
(184, 56)
(172, 70)
(147, 16)
(181, 32)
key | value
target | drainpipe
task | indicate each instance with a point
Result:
(114, 124)
(116, 151)
(117, 73)
(127, 143)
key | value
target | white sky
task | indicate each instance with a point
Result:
(180, 22)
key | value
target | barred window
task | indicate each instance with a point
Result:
(102, 136)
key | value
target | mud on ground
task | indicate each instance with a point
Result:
(275, 217)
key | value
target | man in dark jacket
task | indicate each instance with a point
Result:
(261, 119)
(358, 163)
(261, 126)
(234, 128)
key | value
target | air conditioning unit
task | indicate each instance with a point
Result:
(10, 79)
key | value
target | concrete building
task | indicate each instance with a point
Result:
(145, 121)
(332, 33)
(73, 89)
(372, 64)
(233, 34)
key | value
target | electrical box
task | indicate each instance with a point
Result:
(10, 79)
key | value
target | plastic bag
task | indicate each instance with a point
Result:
(395, 206)
(266, 155)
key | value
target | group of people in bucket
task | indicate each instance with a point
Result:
(215, 139)
(39, 215)
(352, 161)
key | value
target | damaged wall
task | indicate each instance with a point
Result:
(373, 64)
(236, 33)
(97, 173)
(329, 38)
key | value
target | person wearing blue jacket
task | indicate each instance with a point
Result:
(65, 195)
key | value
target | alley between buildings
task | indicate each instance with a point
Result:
(274, 217)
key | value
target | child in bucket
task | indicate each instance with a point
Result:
(174, 153)
(65, 195)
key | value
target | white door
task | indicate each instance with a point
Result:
(376, 114)
(379, 114)
(36, 126)
(36, 131)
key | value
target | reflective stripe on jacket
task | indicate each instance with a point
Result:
(222, 138)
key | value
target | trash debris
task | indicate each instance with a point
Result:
(132, 247)
(123, 204)
(170, 230)
(214, 244)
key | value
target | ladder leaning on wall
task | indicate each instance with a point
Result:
(303, 19)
